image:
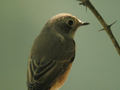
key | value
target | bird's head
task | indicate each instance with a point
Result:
(65, 24)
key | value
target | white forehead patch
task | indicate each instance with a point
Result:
(80, 21)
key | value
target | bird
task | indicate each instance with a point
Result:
(53, 53)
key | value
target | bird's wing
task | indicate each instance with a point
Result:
(41, 73)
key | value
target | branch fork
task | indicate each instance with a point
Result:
(106, 27)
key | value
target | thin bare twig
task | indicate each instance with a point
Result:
(107, 27)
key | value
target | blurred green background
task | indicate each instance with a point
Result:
(97, 64)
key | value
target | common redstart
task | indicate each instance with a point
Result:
(53, 53)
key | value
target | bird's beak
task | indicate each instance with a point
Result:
(83, 23)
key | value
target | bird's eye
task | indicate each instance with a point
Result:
(70, 22)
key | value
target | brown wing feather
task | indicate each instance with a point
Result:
(61, 79)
